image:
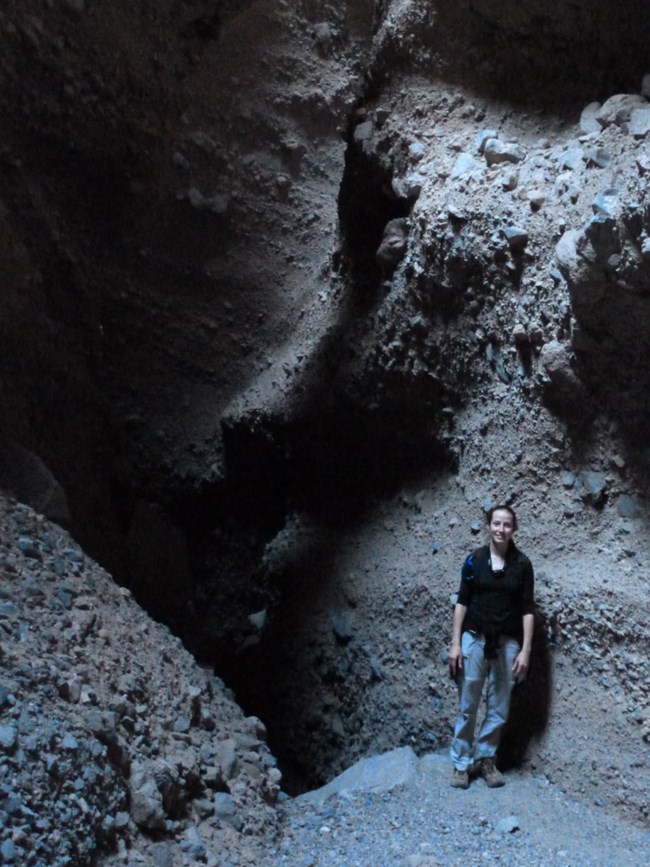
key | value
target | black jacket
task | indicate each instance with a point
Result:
(497, 601)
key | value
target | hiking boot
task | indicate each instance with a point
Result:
(491, 774)
(460, 779)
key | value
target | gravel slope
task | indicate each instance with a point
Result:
(426, 822)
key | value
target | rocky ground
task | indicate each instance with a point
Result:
(396, 811)
(114, 745)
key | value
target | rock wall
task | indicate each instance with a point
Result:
(292, 289)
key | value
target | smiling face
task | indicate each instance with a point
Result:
(501, 529)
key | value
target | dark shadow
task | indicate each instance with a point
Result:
(554, 59)
(530, 708)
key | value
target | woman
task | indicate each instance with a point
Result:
(492, 636)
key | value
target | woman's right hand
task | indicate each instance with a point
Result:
(455, 659)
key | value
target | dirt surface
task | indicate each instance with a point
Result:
(422, 823)
(293, 290)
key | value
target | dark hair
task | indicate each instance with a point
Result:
(503, 508)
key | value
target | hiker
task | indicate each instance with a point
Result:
(491, 640)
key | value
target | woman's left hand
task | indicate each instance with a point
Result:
(521, 664)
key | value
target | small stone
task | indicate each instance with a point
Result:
(516, 237)
(182, 724)
(588, 120)
(536, 199)
(629, 507)
(29, 548)
(258, 619)
(204, 807)
(146, 806)
(571, 159)
(484, 136)
(322, 34)
(161, 855)
(9, 852)
(363, 132)
(342, 626)
(639, 125)
(8, 738)
(465, 165)
(227, 758)
(606, 203)
(507, 825)
(567, 478)
(519, 334)
(225, 809)
(597, 156)
(122, 820)
(495, 152)
(593, 487)
(643, 163)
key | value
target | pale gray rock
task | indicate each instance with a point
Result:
(536, 198)
(516, 237)
(629, 507)
(571, 159)
(643, 163)
(416, 150)
(409, 187)
(594, 487)
(8, 738)
(588, 120)
(227, 758)
(556, 362)
(484, 136)
(617, 109)
(645, 248)
(597, 156)
(258, 619)
(363, 131)
(606, 203)
(507, 825)
(639, 125)
(375, 774)
(464, 166)
(162, 855)
(146, 806)
(495, 152)
(225, 809)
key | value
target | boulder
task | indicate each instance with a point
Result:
(617, 109)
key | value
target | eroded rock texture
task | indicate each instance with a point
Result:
(292, 289)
